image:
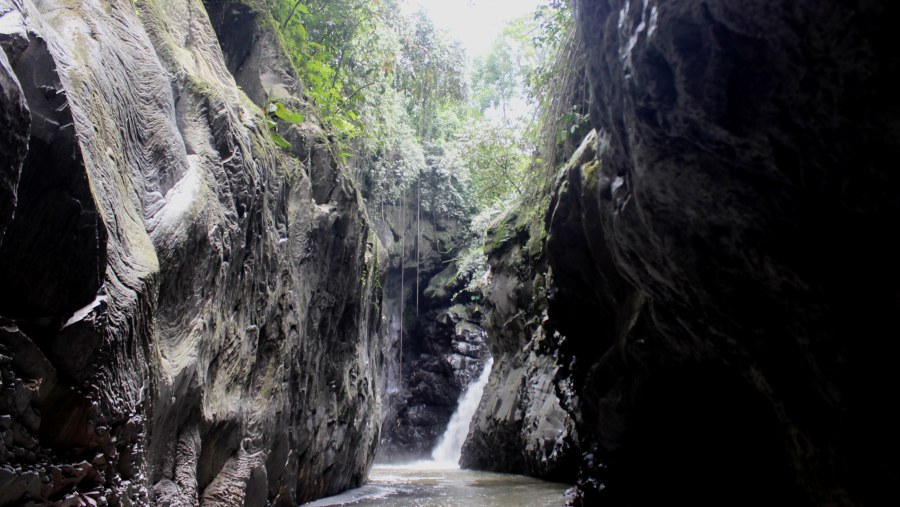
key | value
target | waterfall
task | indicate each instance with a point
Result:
(449, 448)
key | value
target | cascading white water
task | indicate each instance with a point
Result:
(449, 448)
(441, 481)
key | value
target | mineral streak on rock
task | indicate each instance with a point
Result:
(189, 315)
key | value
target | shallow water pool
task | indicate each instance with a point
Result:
(433, 485)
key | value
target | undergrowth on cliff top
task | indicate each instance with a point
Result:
(456, 137)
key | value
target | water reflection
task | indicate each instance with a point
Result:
(430, 484)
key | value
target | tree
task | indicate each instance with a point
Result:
(500, 77)
(493, 160)
(431, 72)
(337, 49)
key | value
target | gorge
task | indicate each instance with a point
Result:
(215, 291)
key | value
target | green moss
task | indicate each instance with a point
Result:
(501, 231)
(199, 87)
(537, 231)
(524, 223)
(591, 175)
(247, 103)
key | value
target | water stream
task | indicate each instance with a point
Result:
(449, 448)
(441, 483)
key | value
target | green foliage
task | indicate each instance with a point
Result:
(428, 72)
(392, 88)
(278, 110)
(530, 92)
(335, 45)
(559, 87)
(553, 19)
(424, 134)
(396, 92)
(444, 191)
(279, 141)
(471, 266)
(492, 159)
(498, 79)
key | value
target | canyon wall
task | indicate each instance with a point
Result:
(190, 315)
(701, 315)
(721, 272)
(745, 189)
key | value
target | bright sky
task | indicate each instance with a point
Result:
(476, 23)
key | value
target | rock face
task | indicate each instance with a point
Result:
(724, 272)
(720, 279)
(443, 355)
(443, 345)
(189, 315)
(521, 425)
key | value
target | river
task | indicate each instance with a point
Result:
(431, 484)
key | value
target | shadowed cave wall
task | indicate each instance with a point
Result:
(719, 266)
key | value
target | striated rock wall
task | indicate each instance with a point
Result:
(189, 314)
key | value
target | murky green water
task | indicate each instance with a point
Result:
(430, 485)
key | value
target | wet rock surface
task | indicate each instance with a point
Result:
(443, 356)
(189, 315)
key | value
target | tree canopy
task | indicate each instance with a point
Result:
(405, 100)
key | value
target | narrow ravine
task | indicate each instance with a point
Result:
(435, 252)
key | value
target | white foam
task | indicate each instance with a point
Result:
(449, 448)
